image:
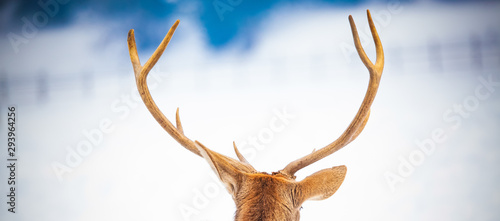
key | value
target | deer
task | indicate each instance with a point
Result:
(260, 195)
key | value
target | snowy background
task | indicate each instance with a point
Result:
(88, 149)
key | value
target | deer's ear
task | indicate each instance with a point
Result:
(321, 184)
(228, 170)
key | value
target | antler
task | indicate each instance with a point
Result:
(141, 72)
(358, 123)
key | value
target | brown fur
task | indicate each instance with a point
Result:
(266, 197)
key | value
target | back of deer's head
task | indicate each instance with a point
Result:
(262, 196)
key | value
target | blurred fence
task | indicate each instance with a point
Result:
(472, 55)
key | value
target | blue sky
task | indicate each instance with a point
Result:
(222, 20)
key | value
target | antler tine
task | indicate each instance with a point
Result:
(178, 122)
(141, 72)
(358, 123)
(239, 155)
(379, 63)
